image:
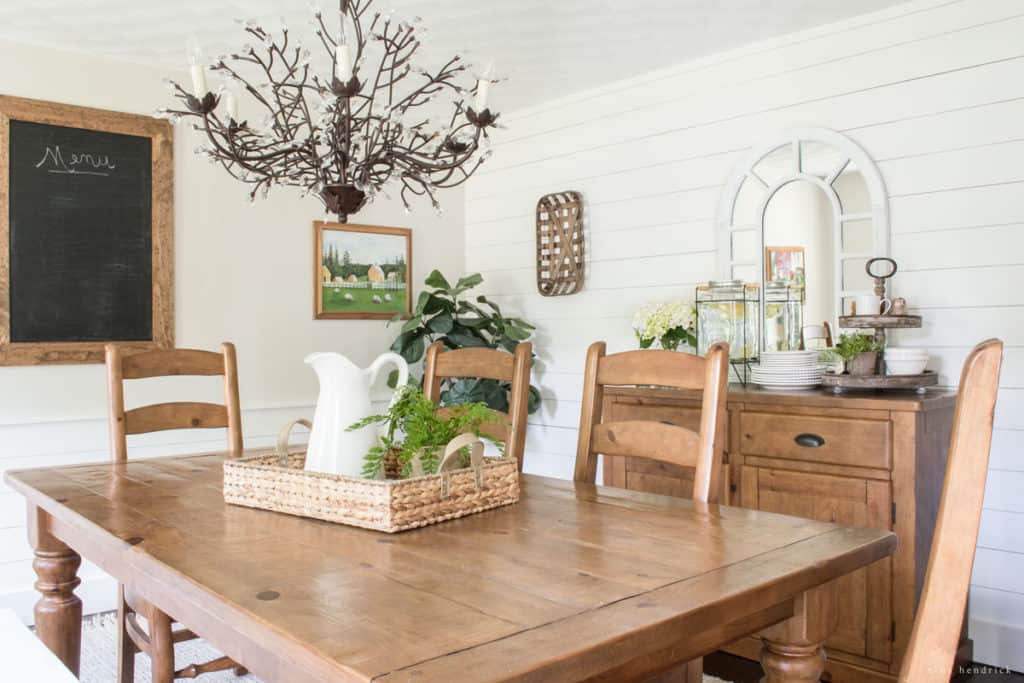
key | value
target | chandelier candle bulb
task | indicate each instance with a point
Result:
(343, 63)
(483, 89)
(232, 104)
(195, 61)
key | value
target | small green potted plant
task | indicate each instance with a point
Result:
(416, 434)
(859, 353)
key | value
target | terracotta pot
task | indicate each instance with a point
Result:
(863, 363)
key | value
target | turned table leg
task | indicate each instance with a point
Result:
(793, 651)
(59, 611)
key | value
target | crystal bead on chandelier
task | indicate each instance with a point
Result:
(348, 136)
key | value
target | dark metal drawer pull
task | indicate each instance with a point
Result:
(809, 440)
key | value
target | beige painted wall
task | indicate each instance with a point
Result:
(242, 273)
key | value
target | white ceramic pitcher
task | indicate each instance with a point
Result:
(344, 400)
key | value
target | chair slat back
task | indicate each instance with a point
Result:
(936, 633)
(656, 367)
(163, 416)
(487, 364)
(170, 362)
(673, 444)
(177, 415)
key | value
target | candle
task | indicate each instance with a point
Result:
(198, 81)
(195, 61)
(232, 104)
(483, 89)
(343, 63)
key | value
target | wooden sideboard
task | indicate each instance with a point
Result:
(868, 460)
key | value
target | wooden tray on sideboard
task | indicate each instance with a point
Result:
(840, 383)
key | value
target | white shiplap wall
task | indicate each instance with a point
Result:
(934, 91)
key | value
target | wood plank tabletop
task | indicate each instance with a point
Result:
(570, 583)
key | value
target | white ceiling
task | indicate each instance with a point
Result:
(546, 48)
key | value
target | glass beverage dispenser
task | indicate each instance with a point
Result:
(783, 316)
(727, 310)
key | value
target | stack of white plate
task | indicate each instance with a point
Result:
(787, 370)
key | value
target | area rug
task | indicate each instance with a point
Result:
(99, 655)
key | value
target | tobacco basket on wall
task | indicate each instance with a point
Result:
(560, 244)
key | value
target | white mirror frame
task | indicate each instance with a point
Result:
(849, 151)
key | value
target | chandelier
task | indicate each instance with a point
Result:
(368, 126)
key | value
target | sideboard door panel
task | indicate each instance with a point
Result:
(864, 596)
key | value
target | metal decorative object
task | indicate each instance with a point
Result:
(560, 265)
(348, 134)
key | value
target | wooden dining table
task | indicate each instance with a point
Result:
(573, 582)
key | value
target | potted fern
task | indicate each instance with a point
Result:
(416, 434)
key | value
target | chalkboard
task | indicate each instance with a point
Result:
(86, 230)
(81, 235)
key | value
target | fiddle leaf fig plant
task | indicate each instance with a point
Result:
(449, 314)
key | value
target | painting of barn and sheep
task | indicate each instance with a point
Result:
(361, 271)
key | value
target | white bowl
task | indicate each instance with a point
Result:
(906, 366)
(905, 352)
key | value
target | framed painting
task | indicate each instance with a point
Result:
(361, 272)
(786, 264)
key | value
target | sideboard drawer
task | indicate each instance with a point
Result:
(838, 440)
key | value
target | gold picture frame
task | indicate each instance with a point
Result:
(787, 264)
(361, 272)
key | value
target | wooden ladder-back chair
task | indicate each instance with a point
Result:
(660, 441)
(936, 633)
(487, 364)
(158, 640)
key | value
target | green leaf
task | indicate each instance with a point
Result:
(397, 317)
(522, 323)
(403, 340)
(484, 300)
(436, 280)
(436, 304)
(414, 351)
(469, 281)
(508, 344)
(533, 403)
(421, 302)
(393, 379)
(464, 340)
(517, 333)
(475, 323)
(412, 323)
(441, 323)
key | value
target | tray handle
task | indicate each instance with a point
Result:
(448, 460)
(283, 436)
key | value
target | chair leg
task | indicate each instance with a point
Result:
(162, 657)
(219, 664)
(695, 670)
(125, 647)
(688, 672)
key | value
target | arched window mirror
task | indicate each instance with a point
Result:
(808, 207)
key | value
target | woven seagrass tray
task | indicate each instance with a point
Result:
(278, 482)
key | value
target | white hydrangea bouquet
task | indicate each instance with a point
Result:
(671, 323)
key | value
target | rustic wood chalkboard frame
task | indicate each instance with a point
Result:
(162, 203)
